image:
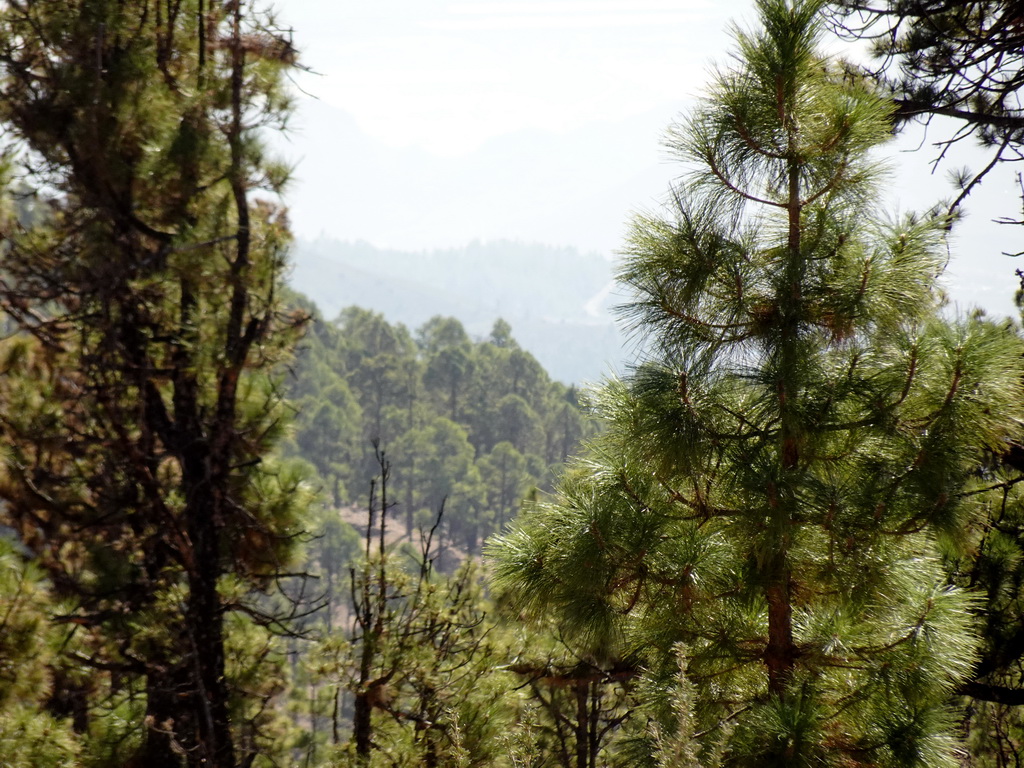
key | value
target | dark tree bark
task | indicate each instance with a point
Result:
(149, 290)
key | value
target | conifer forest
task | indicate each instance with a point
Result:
(235, 532)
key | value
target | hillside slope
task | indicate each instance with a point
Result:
(557, 300)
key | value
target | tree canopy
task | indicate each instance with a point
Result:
(140, 393)
(795, 536)
(957, 59)
(779, 478)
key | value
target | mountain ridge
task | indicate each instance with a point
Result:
(557, 299)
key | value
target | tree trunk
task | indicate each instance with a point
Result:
(164, 722)
(361, 726)
(780, 653)
(582, 724)
(205, 627)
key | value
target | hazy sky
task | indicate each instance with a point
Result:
(431, 122)
(446, 76)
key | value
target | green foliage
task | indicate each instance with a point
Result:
(778, 475)
(990, 563)
(504, 474)
(576, 709)
(474, 424)
(28, 736)
(29, 739)
(418, 660)
(362, 386)
(777, 553)
(960, 60)
(140, 394)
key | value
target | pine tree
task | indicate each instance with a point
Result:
(29, 736)
(418, 658)
(962, 60)
(780, 474)
(140, 402)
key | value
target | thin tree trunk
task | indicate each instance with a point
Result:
(205, 628)
(163, 721)
(781, 652)
(335, 715)
(361, 725)
(582, 724)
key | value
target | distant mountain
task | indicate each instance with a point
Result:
(578, 188)
(557, 300)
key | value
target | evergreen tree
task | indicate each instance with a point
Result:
(964, 63)
(504, 474)
(962, 60)
(360, 379)
(993, 568)
(29, 735)
(577, 706)
(418, 659)
(778, 476)
(139, 401)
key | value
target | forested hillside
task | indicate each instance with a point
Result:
(235, 533)
(557, 299)
(475, 426)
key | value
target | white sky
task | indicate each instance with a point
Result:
(437, 121)
(446, 76)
